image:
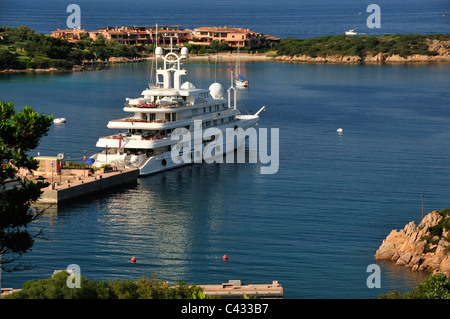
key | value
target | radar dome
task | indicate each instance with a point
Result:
(216, 90)
(184, 52)
(187, 86)
(159, 52)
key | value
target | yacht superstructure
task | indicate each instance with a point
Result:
(144, 139)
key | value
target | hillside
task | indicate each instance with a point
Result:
(355, 49)
(22, 49)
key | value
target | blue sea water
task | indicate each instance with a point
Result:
(314, 225)
(285, 18)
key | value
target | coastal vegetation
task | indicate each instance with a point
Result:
(22, 48)
(439, 232)
(20, 132)
(400, 44)
(145, 288)
(433, 287)
(214, 47)
(56, 287)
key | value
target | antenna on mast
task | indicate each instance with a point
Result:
(155, 59)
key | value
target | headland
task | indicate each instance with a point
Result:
(423, 247)
(24, 51)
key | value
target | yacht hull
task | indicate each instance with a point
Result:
(163, 162)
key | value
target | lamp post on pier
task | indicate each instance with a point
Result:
(84, 163)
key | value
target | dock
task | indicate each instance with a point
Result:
(7, 291)
(232, 289)
(66, 187)
(235, 289)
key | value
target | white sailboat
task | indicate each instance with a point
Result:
(239, 80)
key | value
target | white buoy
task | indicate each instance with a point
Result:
(59, 120)
(339, 130)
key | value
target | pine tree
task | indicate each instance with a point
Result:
(19, 133)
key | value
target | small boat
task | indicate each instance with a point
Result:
(240, 81)
(59, 120)
(351, 32)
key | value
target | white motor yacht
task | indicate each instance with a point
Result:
(146, 138)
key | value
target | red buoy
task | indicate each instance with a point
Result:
(225, 257)
(133, 260)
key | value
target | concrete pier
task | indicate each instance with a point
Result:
(235, 289)
(63, 188)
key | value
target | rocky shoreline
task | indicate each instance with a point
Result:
(379, 58)
(409, 246)
(442, 48)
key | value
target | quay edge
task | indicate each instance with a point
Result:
(77, 187)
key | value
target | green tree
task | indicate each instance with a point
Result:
(217, 46)
(433, 287)
(19, 133)
(145, 288)
(7, 59)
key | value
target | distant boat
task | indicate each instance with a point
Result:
(240, 81)
(59, 120)
(351, 32)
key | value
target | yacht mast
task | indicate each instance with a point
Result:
(155, 61)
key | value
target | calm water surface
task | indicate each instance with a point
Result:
(285, 18)
(314, 226)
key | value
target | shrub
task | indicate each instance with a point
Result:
(145, 288)
(433, 287)
(403, 45)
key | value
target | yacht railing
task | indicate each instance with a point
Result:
(157, 137)
(136, 120)
(148, 105)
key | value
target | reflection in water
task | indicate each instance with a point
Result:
(167, 221)
(395, 273)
